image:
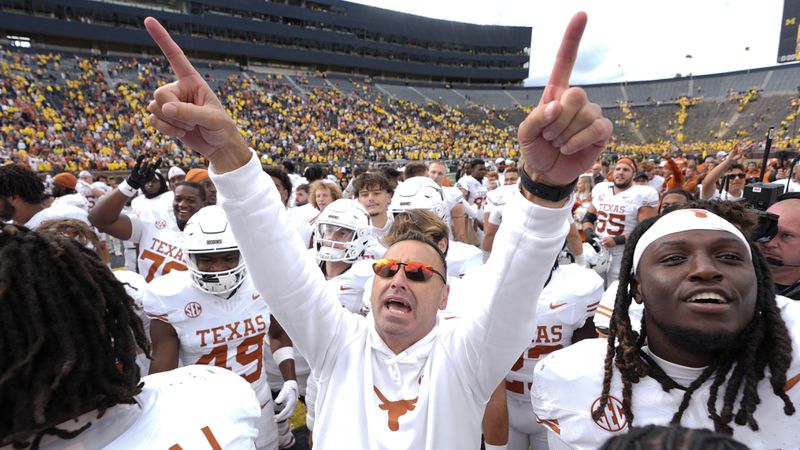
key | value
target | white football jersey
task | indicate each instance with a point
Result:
(160, 206)
(497, 200)
(477, 189)
(76, 200)
(619, 214)
(568, 383)
(215, 331)
(462, 257)
(194, 407)
(135, 286)
(349, 286)
(569, 299)
(606, 308)
(452, 195)
(58, 212)
(160, 245)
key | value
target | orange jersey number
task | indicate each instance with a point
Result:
(157, 261)
(212, 440)
(613, 224)
(249, 351)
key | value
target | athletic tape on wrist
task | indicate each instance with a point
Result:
(282, 354)
(126, 189)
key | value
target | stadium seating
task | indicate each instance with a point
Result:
(95, 117)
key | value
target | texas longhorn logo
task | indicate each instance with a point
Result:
(395, 408)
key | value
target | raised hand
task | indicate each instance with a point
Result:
(189, 110)
(143, 171)
(740, 150)
(565, 133)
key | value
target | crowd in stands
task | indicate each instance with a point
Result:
(71, 112)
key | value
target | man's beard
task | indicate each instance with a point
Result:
(697, 341)
(624, 185)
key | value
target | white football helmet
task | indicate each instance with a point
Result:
(598, 258)
(420, 193)
(208, 231)
(342, 231)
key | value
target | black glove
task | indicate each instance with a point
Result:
(143, 171)
(588, 235)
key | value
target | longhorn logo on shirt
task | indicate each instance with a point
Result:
(396, 408)
(613, 418)
(161, 224)
(193, 309)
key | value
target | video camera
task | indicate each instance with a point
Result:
(760, 196)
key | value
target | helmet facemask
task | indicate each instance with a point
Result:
(208, 234)
(342, 232)
(335, 243)
(217, 282)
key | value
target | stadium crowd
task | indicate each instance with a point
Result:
(556, 292)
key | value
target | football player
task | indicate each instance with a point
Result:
(565, 310)
(68, 375)
(159, 238)
(717, 349)
(617, 206)
(212, 315)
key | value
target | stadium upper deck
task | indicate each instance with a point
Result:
(320, 34)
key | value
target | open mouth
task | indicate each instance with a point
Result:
(709, 298)
(397, 305)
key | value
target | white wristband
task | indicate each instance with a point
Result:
(495, 447)
(126, 189)
(282, 354)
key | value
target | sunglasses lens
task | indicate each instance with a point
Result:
(385, 268)
(417, 271)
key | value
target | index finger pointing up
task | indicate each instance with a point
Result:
(565, 59)
(180, 64)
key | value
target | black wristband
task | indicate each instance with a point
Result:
(589, 217)
(620, 240)
(545, 191)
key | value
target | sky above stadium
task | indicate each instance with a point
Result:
(628, 40)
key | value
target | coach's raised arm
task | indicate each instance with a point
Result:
(406, 379)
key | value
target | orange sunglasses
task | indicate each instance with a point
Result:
(414, 270)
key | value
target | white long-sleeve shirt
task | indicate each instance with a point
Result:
(433, 394)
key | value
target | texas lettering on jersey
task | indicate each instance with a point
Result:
(232, 331)
(618, 214)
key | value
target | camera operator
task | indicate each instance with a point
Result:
(783, 251)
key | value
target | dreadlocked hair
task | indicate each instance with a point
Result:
(765, 342)
(671, 437)
(69, 336)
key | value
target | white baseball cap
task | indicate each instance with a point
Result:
(174, 172)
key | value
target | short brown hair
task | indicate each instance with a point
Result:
(415, 169)
(369, 179)
(422, 220)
